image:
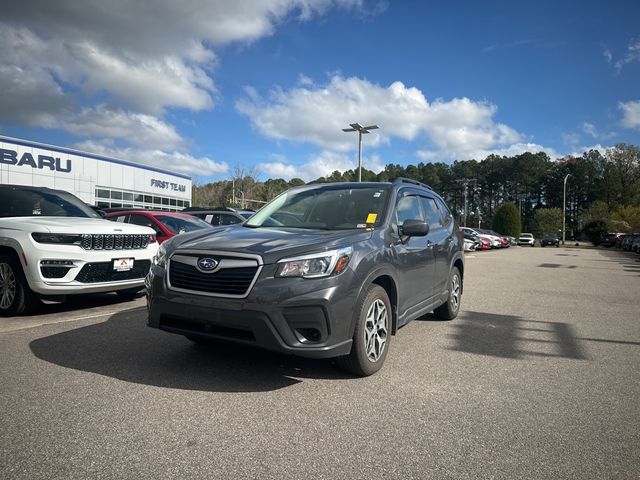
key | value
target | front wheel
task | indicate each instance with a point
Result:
(449, 309)
(16, 297)
(372, 335)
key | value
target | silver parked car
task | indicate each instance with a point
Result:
(526, 240)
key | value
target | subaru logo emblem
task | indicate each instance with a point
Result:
(207, 264)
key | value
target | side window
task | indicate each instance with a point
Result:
(228, 219)
(145, 222)
(408, 208)
(434, 217)
(446, 214)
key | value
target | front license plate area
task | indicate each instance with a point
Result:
(123, 264)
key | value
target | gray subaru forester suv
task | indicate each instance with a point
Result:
(323, 270)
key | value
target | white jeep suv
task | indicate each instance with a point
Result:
(52, 245)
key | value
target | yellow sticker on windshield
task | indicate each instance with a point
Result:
(371, 218)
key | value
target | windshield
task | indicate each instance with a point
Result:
(27, 202)
(182, 224)
(326, 208)
(526, 235)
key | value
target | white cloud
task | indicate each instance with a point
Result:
(482, 153)
(630, 114)
(133, 59)
(145, 56)
(174, 161)
(316, 114)
(135, 128)
(30, 98)
(320, 165)
(632, 55)
(590, 129)
(579, 151)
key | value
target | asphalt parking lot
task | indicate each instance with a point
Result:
(537, 378)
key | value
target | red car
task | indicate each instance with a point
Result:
(484, 244)
(166, 224)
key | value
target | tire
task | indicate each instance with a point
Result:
(449, 310)
(16, 298)
(372, 335)
(129, 293)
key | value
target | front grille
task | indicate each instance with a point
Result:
(103, 272)
(99, 241)
(228, 281)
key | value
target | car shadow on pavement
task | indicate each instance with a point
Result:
(510, 336)
(94, 301)
(123, 347)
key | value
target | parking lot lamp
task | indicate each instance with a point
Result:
(564, 205)
(356, 127)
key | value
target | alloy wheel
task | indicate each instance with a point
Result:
(375, 330)
(8, 286)
(455, 293)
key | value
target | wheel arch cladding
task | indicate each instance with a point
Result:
(387, 283)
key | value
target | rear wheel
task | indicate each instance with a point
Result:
(449, 309)
(16, 297)
(372, 335)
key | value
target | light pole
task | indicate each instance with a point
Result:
(356, 127)
(564, 205)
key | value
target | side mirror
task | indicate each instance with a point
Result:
(415, 228)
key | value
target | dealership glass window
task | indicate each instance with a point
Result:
(186, 204)
(172, 201)
(157, 200)
(116, 194)
(165, 201)
(148, 199)
(180, 203)
(127, 196)
(138, 198)
(101, 193)
(116, 205)
(103, 204)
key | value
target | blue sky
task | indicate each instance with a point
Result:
(265, 86)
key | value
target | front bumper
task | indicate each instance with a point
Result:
(89, 271)
(304, 317)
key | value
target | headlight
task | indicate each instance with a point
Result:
(60, 238)
(315, 265)
(160, 258)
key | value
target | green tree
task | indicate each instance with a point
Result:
(595, 231)
(547, 220)
(507, 220)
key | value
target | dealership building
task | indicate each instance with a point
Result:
(96, 179)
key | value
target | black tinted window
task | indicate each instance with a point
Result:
(18, 202)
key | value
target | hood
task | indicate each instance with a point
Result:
(72, 225)
(272, 244)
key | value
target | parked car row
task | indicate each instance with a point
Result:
(629, 242)
(483, 239)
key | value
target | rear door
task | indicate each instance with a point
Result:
(441, 239)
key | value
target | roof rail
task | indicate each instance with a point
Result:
(411, 181)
